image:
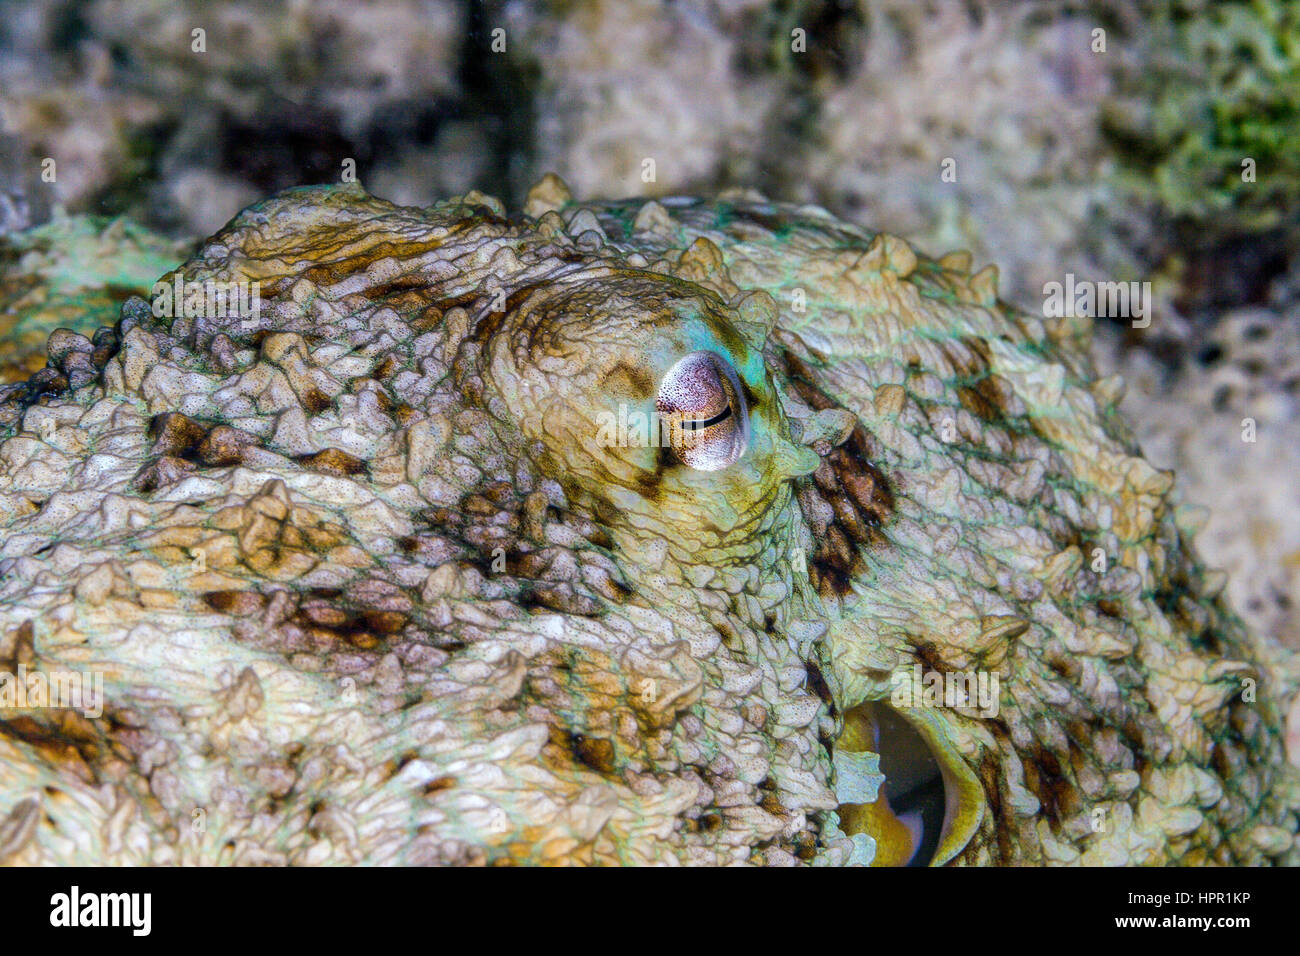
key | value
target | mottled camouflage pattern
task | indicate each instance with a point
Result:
(364, 585)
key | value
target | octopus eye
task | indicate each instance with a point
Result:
(930, 803)
(907, 819)
(702, 409)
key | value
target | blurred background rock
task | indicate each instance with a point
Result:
(1114, 155)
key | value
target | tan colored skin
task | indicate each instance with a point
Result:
(365, 585)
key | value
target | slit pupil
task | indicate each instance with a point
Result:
(699, 423)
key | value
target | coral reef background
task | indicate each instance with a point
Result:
(1103, 140)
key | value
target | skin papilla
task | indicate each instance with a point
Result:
(366, 581)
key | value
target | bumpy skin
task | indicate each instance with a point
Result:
(365, 586)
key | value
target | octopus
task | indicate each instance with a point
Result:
(677, 531)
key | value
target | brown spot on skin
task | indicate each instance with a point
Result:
(980, 347)
(868, 501)
(162, 473)
(440, 518)
(1046, 780)
(237, 603)
(333, 461)
(224, 446)
(395, 766)
(772, 804)
(478, 505)
(18, 647)
(463, 300)
(175, 434)
(384, 401)
(529, 564)
(76, 757)
(998, 393)
(1111, 607)
(383, 622)
(361, 640)
(329, 273)
(807, 847)
(991, 780)
(561, 597)
(398, 286)
(594, 752)
(1079, 761)
(857, 491)
(927, 652)
(970, 362)
(47, 381)
(501, 492)
(804, 379)
(439, 784)
(329, 624)
(817, 684)
(315, 401)
(974, 402)
(649, 484)
(727, 634)
(321, 614)
(612, 589)
(564, 748)
(866, 485)
(835, 563)
(486, 539)
(422, 303)
(490, 322)
(1066, 665)
(276, 287)
(93, 751)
